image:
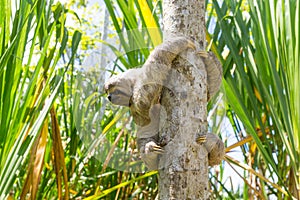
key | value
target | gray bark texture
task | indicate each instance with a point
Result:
(183, 168)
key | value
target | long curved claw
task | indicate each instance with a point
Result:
(152, 147)
(191, 45)
(201, 139)
(157, 149)
(203, 54)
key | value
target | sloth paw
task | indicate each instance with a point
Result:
(153, 147)
(149, 154)
(200, 139)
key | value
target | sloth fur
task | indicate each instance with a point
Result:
(140, 89)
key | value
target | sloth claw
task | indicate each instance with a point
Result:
(203, 54)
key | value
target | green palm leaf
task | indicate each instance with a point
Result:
(261, 82)
(28, 80)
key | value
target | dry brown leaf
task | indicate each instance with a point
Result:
(59, 158)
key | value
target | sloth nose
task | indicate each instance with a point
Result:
(109, 97)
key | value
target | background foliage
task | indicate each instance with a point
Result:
(60, 138)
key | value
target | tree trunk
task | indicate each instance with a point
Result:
(183, 168)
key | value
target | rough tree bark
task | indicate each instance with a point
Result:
(183, 168)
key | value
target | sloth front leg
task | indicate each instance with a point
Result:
(149, 151)
(147, 139)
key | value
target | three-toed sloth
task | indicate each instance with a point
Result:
(140, 89)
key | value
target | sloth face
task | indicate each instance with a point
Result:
(119, 95)
(119, 89)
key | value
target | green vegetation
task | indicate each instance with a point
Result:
(60, 139)
(261, 80)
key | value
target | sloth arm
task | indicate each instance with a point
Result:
(159, 62)
(149, 84)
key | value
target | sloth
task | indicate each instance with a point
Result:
(140, 89)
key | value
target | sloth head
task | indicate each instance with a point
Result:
(119, 88)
